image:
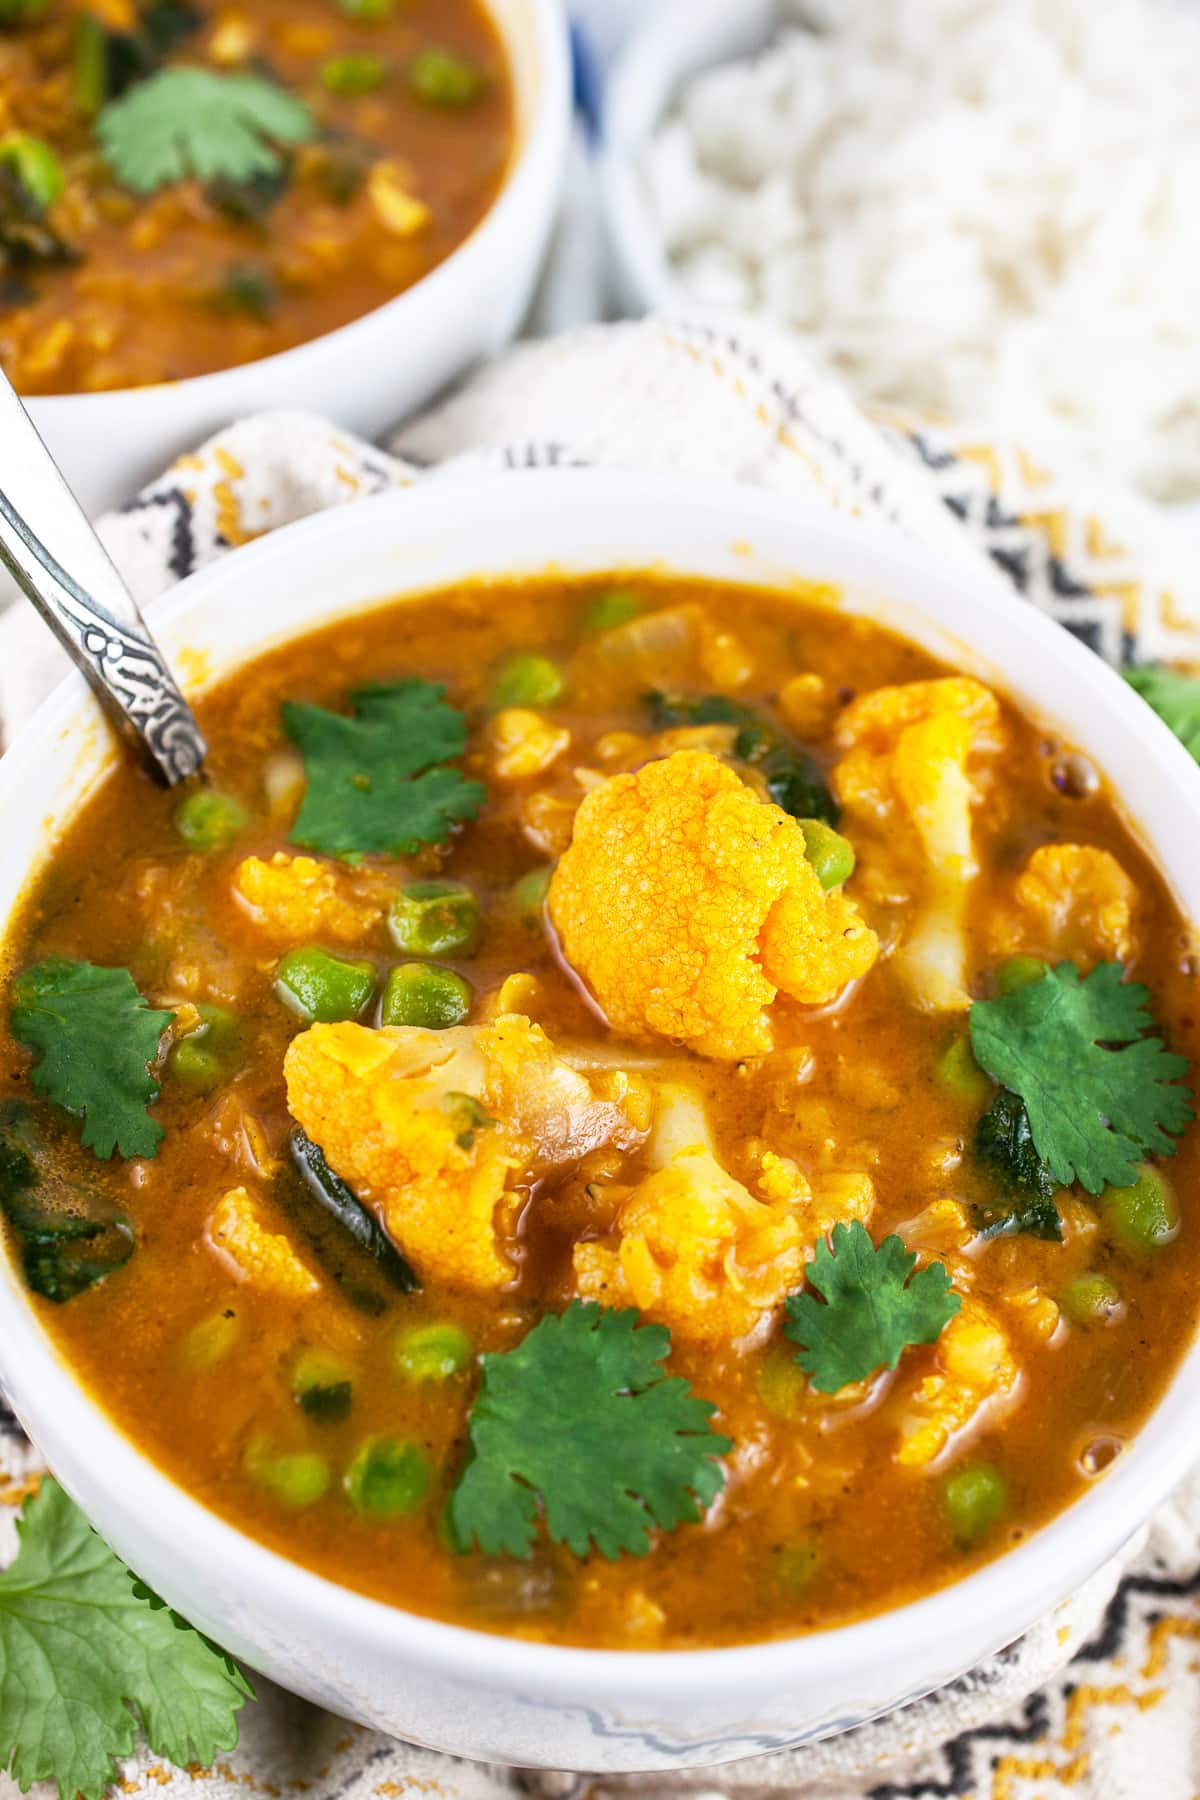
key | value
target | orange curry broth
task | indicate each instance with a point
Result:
(817, 1523)
(146, 300)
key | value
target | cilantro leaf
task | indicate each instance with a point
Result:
(1176, 700)
(872, 1310)
(1004, 1147)
(86, 1654)
(193, 122)
(1099, 1094)
(379, 780)
(581, 1417)
(96, 1037)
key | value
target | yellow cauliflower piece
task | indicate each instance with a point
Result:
(695, 1248)
(297, 897)
(973, 1368)
(525, 744)
(431, 1128)
(1074, 901)
(239, 1235)
(907, 754)
(687, 904)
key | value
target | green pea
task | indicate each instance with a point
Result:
(957, 1073)
(389, 1476)
(323, 987)
(444, 79)
(321, 1386)
(204, 1058)
(433, 1353)
(35, 166)
(210, 1341)
(357, 72)
(1144, 1216)
(975, 1499)
(367, 12)
(435, 918)
(781, 1383)
(1092, 1299)
(1019, 972)
(529, 895)
(298, 1478)
(209, 820)
(615, 606)
(527, 680)
(795, 1566)
(422, 994)
(830, 854)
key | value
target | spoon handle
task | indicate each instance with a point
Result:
(82, 598)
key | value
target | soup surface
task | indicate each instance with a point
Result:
(659, 1147)
(143, 239)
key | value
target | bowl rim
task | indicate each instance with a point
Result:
(1036, 1574)
(681, 38)
(535, 139)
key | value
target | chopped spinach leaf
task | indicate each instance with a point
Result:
(1025, 1185)
(342, 1204)
(793, 778)
(67, 1239)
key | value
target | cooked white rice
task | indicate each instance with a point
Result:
(986, 209)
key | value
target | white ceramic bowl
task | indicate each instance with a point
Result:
(369, 374)
(681, 38)
(477, 1695)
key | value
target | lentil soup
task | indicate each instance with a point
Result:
(578, 1154)
(142, 239)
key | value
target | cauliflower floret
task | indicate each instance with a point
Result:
(687, 904)
(239, 1235)
(907, 754)
(695, 1248)
(297, 897)
(974, 1367)
(1075, 901)
(525, 744)
(432, 1127)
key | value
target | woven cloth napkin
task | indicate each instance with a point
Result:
(1100, 1699)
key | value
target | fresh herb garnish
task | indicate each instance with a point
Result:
(1100, 1094)
(96, 1037)
(793, 779)
(87, 1655)
(192, 122)
(1176, 700)
(581, 1418)
(1026, 1186)
(68, 1240)
(872, 1311)
(380, 780)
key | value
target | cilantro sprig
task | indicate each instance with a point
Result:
(193, 122)
(87, 1655)
(581, 1417)
(874, 1307)
(1175, 698)
(380, 780)
(95, 1037)
(1100, 1088)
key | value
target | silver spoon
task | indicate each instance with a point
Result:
(55, 557)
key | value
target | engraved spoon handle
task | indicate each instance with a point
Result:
(55, 557)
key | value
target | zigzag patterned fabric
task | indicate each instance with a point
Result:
(1102, 1699)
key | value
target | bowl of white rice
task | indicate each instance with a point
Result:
(984, 210)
